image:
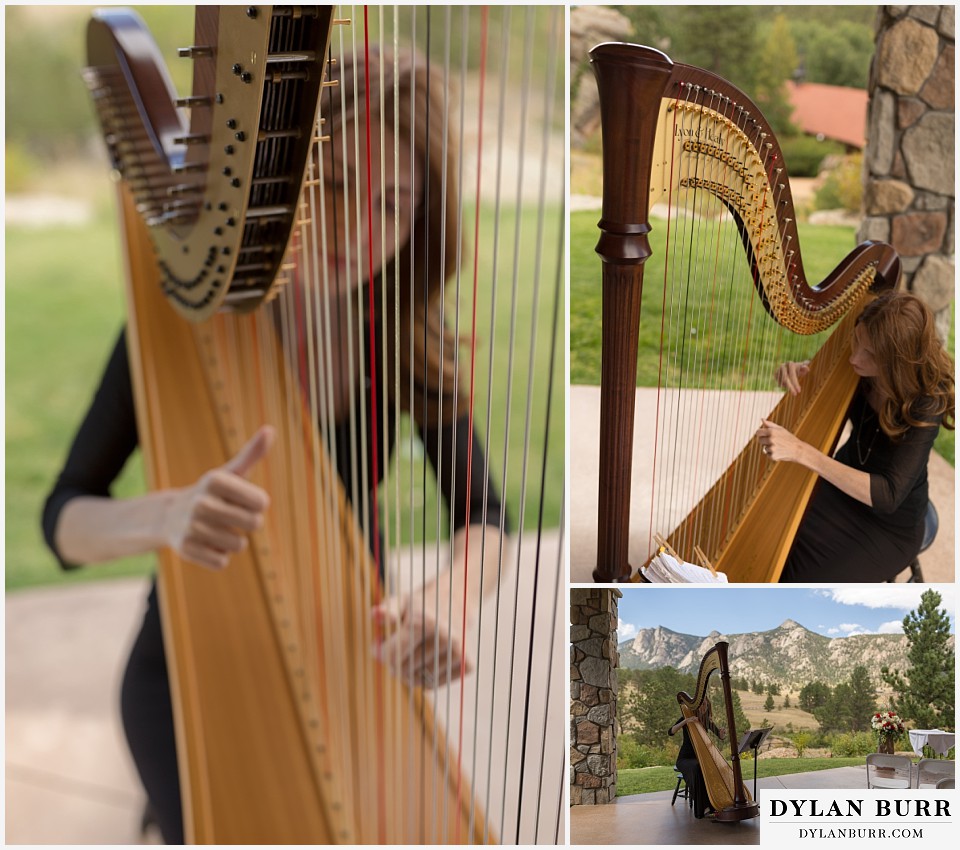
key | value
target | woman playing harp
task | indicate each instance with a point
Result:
(865, 521)
(714, 780)
(684, 145)
(209, 521)
(687, 762)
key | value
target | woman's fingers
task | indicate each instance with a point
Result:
(789, 376)
(777, 443)
(236, 490)
(209, 521)
(204, 556)
(766, 436)
(214, 511)
(255, 449)
(419, 650)
(214, 537)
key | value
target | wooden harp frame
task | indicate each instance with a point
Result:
(206, 232)
(728, 795)
(639, 88)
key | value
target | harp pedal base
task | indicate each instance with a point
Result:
(732, 814)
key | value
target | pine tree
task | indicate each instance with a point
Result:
(925, 695)
(863, 699)
(776, 63)
(813, 695)
(768, 705)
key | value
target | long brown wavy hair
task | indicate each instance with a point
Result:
(915, 380)
(410, 96)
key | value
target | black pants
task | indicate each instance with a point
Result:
(147, 714)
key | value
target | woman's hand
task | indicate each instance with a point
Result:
(427, 636)
(208, 522)
(789, 375)
(204, 523)
(779, 444)
(422, 634)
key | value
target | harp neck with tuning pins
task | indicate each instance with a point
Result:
(245, 207)
(689, 159)
(728, 795)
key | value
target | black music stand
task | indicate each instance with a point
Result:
(751, 740)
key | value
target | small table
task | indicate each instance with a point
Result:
(939, 741)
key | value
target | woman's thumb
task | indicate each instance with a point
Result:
(255, 449)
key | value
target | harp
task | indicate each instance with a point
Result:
(728, 795)
(682, 144)
(289, 727)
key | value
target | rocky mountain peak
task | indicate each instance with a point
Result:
(790, 655)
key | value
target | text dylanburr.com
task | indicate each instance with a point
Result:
(900, 817)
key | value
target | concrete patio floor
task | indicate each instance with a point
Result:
(651, 819)
(70, 779)
(937, 562)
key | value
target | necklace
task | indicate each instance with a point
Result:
(863, 457)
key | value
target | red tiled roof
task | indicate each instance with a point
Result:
(837, 112)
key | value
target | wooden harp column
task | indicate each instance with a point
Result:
(630, 93)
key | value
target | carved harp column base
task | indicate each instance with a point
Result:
(607, 577)
(732, 814)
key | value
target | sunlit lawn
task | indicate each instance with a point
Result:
(710, 346)
(64, 308)
(648, 779)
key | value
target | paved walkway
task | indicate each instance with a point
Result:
(937, 562)
(70, 780)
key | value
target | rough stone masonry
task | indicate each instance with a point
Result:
(909, 160)
(593, 695)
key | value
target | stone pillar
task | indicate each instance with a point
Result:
(589, 26)
(909, 159)
(593, 695)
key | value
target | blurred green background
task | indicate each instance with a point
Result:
(64, 296)
(65, 303)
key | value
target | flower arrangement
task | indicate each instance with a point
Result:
(889, 727)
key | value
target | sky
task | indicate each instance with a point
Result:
(832, 612)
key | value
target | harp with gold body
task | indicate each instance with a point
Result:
(728, 795)
(683, 139)
(288, 729)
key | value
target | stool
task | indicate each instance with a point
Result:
(677, 792)
(931, 524)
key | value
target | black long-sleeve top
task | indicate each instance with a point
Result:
(108, 436)
(897, 469)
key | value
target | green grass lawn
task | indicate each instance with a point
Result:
(63, 311)
(64, 308)
(711, 320)
(648, 779)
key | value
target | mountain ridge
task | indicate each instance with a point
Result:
(790, 654)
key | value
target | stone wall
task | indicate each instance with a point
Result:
(909, 162)
(590, 26)
(593, 695)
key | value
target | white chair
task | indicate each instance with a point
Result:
(946, 782)
(931, 771)
(886, 771)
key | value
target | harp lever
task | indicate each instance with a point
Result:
(194, 52)
(193, 100)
